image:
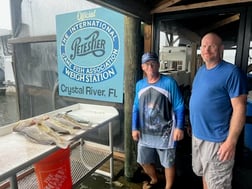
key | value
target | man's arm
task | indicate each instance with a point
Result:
(227, 149)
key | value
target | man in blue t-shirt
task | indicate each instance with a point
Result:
(157, 120)
(217, 114)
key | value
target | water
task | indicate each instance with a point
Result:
(8, 109)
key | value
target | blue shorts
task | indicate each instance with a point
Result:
(150, 155)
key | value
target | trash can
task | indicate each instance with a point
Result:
(248, 127)
(54, 171)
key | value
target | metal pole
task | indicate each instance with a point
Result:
(13, 182)
(111, 150)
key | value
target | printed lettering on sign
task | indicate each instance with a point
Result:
(91, 54)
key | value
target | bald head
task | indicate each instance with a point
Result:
(211, 49)
(214, 37)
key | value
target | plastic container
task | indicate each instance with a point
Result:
(248, 127)
(54, 171)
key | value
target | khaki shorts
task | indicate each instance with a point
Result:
(205, 162)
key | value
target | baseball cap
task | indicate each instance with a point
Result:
(149, 56)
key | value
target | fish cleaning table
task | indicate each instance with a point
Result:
(18, 153)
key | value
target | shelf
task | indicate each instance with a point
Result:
(85, 160)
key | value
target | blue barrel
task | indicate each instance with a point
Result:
(248, 127)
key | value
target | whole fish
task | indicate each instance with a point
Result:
(75, 118)
(59, 127)
(59, 141)
(68, 120)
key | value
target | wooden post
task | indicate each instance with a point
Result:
(147, 38)
(133, 52)
(194, 62)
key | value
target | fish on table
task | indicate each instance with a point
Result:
(59, 141)
(59, 127)
(38, 132)
(48, 129)
(70, 121)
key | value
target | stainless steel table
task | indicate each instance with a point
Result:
(18, 153)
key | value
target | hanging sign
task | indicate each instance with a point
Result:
(90, 54)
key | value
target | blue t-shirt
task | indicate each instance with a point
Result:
(158, 108)
(210, 103)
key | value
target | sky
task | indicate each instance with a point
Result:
(5, 22)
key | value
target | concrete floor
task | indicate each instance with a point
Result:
(185, 178)
(242, 181)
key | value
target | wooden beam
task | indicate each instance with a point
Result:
(221, 23)
(164, 4)
(119, 155)
(200, 5)
(131, 8)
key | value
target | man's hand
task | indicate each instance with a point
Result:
(135, 135)
(226, 151)
(178, 134)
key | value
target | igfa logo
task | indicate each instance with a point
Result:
(89, 50)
